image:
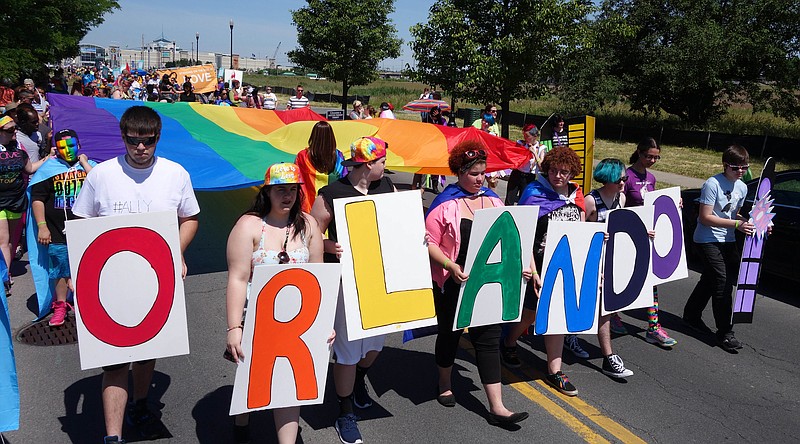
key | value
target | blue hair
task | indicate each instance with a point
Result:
(608, 170)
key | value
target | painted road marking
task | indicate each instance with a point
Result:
(571, 421)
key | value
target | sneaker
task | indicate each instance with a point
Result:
(571, 344)
(59, 313)
(660, 337)
(508, 356)
(347, 429)
(613, 366)
(241, 434)
(560, 382)
(144, 420)
(617, 326)
(361, 398)
(697, 325)
(113, 440)
(729, 343)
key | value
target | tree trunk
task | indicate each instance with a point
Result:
(504, 104)
(345, 89)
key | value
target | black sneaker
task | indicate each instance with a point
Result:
(145, 421)
(113, 440)
(508, 356)
(697, 325)
(613, 366)
(560, 382)
(729, 343)
(361, 398)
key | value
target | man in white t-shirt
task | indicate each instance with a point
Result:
(298, 100)
(270, 99)
(137, 182)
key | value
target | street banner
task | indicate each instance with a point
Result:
(386, 276)
(201, 76)
(285, 339)
(500, 247)
(129, 299)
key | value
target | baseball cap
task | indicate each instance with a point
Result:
(366, 149)
(282, 174)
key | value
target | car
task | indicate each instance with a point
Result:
(781, 251)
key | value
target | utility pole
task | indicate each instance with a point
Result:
(231, 23)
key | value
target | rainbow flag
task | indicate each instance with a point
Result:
(9, 390)
(226, 148)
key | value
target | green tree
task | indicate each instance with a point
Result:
(693, 58)
(512, 48)
(344, 40)
(443, 49)
(38, 32)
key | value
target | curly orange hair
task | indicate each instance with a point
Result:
(458, 159)
(562, 157)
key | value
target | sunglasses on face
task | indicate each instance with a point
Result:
(472, 154)
(739, 167)
(146, 141)
(11, 130)
(622, 179)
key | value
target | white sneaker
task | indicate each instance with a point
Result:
(571, 344)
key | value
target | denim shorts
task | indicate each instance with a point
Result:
(59, 261)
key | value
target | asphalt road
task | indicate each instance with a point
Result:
(695, 392)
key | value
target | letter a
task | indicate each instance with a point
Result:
(273, 338)
(507, 272)
(379, 307)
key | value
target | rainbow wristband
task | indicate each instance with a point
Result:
(41, 223)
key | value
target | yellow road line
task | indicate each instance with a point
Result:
(614, 428)
(554, 409)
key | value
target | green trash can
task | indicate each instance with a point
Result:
(471, 115)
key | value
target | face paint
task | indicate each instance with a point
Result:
(67, 149)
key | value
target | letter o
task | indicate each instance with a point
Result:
(154, 249)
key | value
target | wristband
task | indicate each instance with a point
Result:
(534, 273)
(736, 225)
(446, 261)
(234, 328)
(41, 223)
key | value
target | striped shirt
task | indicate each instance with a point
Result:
(295, 103)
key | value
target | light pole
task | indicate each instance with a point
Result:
(231, 23)
(173, 55)
(197, 58)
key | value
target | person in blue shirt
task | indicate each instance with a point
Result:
(721, 198)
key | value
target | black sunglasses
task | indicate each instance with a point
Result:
(622, 179)
(283, 257)
(471, 154)
(11, 130)
(146, 141)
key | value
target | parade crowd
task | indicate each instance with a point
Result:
(286, 222)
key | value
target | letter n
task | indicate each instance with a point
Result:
(579, 314)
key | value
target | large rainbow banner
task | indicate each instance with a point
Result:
(226, 148)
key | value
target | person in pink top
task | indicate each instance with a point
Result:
(640, 182)
(448, 224)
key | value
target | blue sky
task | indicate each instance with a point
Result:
(258, 25)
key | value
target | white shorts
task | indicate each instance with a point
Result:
(350, 352)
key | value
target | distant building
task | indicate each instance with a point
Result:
(158, 53)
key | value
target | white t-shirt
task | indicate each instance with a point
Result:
(115, 188)
(386, 114)
(270, 101)
(30, 144)
(725, 199)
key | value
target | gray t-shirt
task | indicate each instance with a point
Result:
(725, 197)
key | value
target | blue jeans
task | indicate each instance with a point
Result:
(720, 273)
